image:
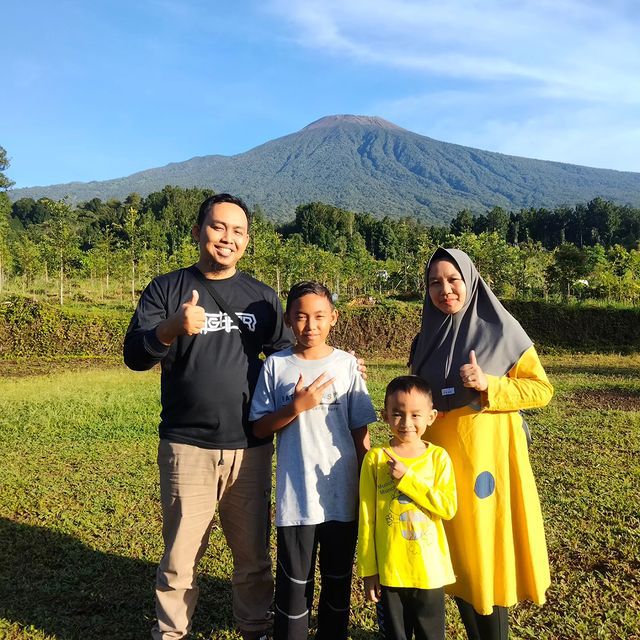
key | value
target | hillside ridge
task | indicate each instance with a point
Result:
(368, 164)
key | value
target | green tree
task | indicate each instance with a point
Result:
(131, 228)
(495, 260)
(497, 221)
(462, 223)
(629, 229)
(532, 263)
(61, 240)
(186, 254)
(570, 264)
(30, 212)
(359, 269)
(603, 219)
(5, 254)
(101, 258)
(5, 212)
(175, 209)
(264, 256)
(5, 183)
(426, 246)
(322, 224)
(384, 243)
(28, 259)
(633, 292)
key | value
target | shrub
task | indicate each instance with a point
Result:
(381, 329)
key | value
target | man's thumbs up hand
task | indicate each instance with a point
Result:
(188, 320)
(191, 316)
(195, 296)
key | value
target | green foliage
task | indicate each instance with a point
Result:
(5, 183)
(5, 231)
(60, 240)
(377, 328)
(569, 265)
(578, 327)
(30, 328)
(29, 212)
(324, 226)
(175, 210)
(599, 222)
(102, 250)
(553, 327)
(371, 326)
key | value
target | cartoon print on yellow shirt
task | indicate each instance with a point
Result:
(413, 523)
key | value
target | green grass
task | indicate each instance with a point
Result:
(80, 519)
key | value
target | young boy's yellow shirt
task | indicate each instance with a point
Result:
(401, 536)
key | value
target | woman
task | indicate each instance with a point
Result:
(483, 368)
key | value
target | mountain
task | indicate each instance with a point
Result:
(368, 164)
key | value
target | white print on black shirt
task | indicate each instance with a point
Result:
(222, 322)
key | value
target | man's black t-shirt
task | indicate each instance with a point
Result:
(207, 379)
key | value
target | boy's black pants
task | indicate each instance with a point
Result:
(297, 549)
(494, 626)
(413, 610)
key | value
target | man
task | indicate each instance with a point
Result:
(207, 454)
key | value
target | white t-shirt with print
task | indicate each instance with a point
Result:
(316, 468)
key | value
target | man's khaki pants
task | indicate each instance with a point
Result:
(193, 482)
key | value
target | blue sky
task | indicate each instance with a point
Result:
(98, 90)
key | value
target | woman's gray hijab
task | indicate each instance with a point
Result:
(445, 340)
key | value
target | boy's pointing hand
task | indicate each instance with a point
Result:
(396, 467)
(308, 397)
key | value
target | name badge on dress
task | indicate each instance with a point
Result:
(449, 391)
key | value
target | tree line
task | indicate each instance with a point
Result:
(109, 250)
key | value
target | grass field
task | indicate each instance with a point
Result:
(80, 520)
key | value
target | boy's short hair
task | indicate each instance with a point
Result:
(407, 384)
(212, 201)
(304, 289)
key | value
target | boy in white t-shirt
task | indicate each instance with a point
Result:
(312, 396)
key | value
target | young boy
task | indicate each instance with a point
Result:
(406, 490)
(312, 396)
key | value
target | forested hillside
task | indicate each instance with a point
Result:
(368, 165)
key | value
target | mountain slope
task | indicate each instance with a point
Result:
(365, 163)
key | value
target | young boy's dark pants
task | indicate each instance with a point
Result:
(297, 547)
(413, 610)
(494, 626)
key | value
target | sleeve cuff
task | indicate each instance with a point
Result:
(153, 346)
(487, 397)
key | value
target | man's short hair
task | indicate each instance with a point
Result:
(407, 384)
(305, 288)
(212, 201)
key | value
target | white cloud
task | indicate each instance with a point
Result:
(590, 137)
(585, 49)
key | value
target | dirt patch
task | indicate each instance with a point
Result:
(21, 368)
(616, 399)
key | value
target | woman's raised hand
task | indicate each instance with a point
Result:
(472, 375)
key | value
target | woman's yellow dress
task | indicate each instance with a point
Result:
(496, 539)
